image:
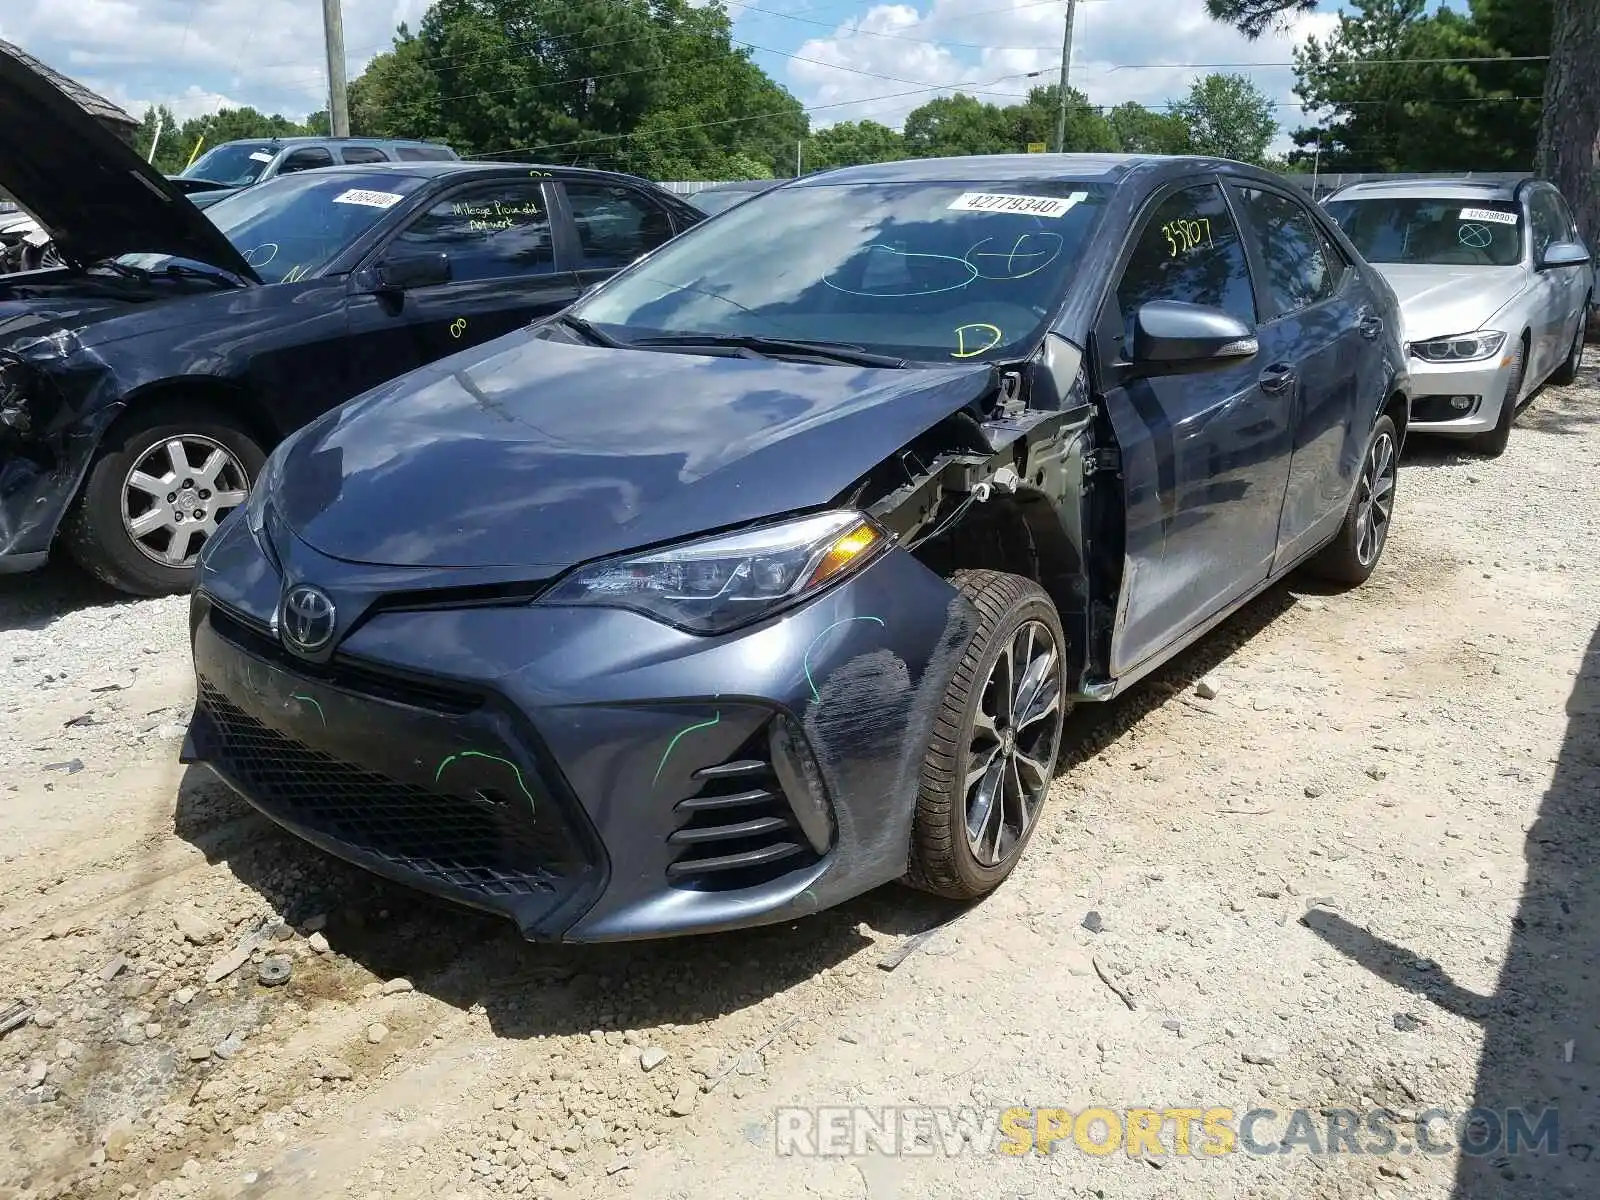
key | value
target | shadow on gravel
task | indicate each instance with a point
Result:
(35, 600)
(466, 958)
(1541, 1047)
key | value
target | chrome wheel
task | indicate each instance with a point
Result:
(1015, 736)
(1375, 500)
(176, 495)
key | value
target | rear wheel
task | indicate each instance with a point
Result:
(1567, 373)
(158, 487)
(989, 766)
(1353, 555)
(1493, 443)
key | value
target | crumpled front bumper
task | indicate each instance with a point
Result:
(590, 773)
(37, 484)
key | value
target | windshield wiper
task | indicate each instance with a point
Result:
(840, 352)
(123, 269)
(186, 272)
(587, 330)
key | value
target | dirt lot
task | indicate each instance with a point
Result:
(1359, 877)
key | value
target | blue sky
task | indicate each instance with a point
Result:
(841, 58)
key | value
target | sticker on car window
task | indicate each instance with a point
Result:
(1488, 214)
(370, 199)
(260, 156)
(1029, 206)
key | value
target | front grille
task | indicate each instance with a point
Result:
(343, 671)
(739, 828)
(488, 843)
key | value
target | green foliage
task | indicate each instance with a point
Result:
(850, 143)
(1139, 130)
(177, 142)
(1228, 116)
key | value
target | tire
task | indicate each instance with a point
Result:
(1567, 373)
(98, 534)
(1021, 758)
(1350, 559)
(1493, 443)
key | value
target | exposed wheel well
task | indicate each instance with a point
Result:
(1398, 410)
(227, 398)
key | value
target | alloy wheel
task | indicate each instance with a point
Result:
(1015, 736)
(176, 495)
(1375, 499)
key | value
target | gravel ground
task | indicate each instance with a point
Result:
(1358, 876)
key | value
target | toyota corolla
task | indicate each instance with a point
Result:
(767, 573)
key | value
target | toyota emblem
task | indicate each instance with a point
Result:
(307, 619)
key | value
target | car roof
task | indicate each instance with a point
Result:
(1443, 188)
(1004, 168)
(300, 139)
(432, 168)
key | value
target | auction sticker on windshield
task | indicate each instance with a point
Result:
(260, 156)
(1488, 214)
(370, 199)
(1032, 206)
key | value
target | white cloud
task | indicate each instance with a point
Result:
(198, 54)
(1115, 43)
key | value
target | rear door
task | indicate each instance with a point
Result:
(505, 270)
(1318, 334)
(1205, 453)
(613, 224)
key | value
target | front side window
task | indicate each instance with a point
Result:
(1432, 231)
(1549, 223)
(615, 224)
(1189, 250)
(1291, 249)
(305, 160)
(489, 232)
(926, 271)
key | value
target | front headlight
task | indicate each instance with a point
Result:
(722, 582)
(1466, 347)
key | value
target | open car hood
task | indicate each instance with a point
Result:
(546, 454)
(93, 194)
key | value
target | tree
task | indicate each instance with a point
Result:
(1034, 120)
(958, 124)
(1228, 116)
(1139, 130)
(853, 142)
(1384, 110)
(1569, 126)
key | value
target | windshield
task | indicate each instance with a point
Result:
(925, 271)
(291, 227)
(1432, 231)
(710, 202)
(237, 163)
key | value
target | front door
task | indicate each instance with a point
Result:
(1318, 321)
(503, 273)
(1205, 453)
(614, 224)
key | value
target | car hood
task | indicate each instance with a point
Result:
(94, 194)
(1439, 301)
(546, 454)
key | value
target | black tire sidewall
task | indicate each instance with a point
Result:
(1034, 605)
(95, 535)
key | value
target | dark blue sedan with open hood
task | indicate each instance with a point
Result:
(767, 572)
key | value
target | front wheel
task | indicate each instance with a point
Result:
(1493, 443)
(158, 488)
(1567, 373)
(990, 763)
(1353, 554)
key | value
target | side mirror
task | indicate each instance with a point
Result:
(1169, 333)
(1564, 254)
(412, 271)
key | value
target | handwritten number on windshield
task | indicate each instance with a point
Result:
(1184, 236)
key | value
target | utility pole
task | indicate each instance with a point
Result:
(156, 141)
(333, 32)
(1066, 61)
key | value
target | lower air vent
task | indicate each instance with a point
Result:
(761, 814)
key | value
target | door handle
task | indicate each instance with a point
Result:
(1371, 324)
(1277, 379)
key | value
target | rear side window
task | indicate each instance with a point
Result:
(489, 231)
(1293, 250)
(615, 224)
(306, 159)
(1189, 251)
(424, 154)
(362, 154)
